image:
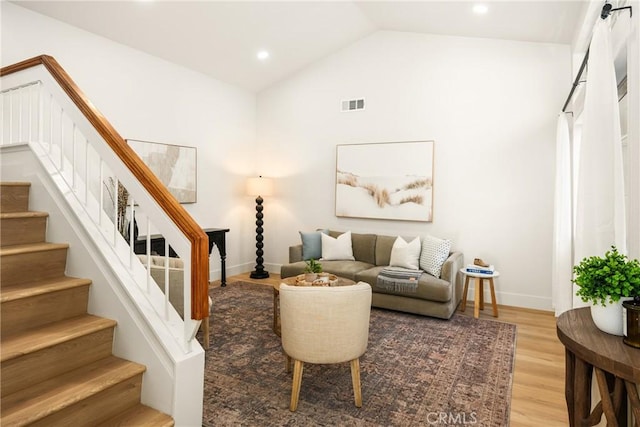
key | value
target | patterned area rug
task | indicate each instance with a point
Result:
(417, 371)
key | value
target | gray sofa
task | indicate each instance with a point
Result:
(435, 296)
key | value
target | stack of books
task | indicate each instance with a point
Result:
(472, 268)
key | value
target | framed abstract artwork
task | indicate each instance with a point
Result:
(392, 180)
(175, 165)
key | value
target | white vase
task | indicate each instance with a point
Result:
(608, 318)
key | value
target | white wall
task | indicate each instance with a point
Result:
(150, 99)
(489, 105)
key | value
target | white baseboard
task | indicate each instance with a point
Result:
(514, 299)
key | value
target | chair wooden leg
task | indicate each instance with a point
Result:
(287, 363)
(355, 379)
(297, 381)
(205, 331)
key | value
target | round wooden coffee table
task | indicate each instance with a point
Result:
(293, 281)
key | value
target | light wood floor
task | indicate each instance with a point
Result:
(537, 397)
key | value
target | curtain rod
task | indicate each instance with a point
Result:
(576, 82)
(606, 11)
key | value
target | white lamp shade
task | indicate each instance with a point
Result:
(259, 186)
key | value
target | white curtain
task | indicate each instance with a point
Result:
(600, 212)
(562, 260)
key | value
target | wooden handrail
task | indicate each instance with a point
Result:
(157, 190)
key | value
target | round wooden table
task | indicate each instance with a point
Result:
(293, 281)
(616, 366)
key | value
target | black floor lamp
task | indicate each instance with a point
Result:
(259, 187)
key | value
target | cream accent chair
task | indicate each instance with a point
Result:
(176, 286)
(325, 325)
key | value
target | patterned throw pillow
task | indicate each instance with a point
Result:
(434, 253)
(405, 255)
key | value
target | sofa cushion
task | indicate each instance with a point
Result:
(429, 287)
(384, 244)
(346, 269)
(434, 253)
(405, 255)
(338, 248)
(364, 246)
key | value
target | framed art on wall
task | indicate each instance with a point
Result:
(391, 180)
(175, 165)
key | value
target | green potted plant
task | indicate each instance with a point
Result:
(312, 269)
(605, 282)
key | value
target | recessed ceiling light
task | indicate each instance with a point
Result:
(480, 9)
(262, 55)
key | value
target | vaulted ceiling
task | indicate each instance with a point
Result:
(221, 38)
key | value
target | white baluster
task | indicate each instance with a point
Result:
(86, 171)
(73, 157)
(50, 124)
(30, 113)
(132, 233)
(20, 115)
(40, 114)
(116, 202)
(10, 117)
(148, 236)
(2, 116)
(166, 278)
(100, 202)
(61, 140)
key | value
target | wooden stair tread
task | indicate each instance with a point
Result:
(40, 287)
(34, 403)
(140, 416)
(31, 340)
(31, 247)
(26, 214)
(15, 184)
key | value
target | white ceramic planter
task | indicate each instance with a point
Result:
(608, 318)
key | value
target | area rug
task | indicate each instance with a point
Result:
(417, 371)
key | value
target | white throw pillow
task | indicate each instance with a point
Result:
(434, 253)
(405, 255)
(337, 248)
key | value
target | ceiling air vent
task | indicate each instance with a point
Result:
(353, 105)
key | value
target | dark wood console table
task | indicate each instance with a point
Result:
(616, 366)
(217, 236)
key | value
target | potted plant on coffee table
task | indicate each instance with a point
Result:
(311, 270)
(606, 282)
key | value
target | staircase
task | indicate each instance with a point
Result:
(56, 361)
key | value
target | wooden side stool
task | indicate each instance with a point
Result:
(479, 297)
